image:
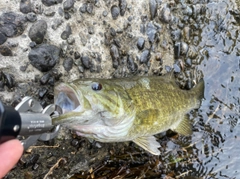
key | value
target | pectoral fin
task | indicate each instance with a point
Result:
(184, 127)
(149, 143)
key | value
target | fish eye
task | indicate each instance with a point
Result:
(96, 86)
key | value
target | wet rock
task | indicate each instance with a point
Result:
(68, 64)
(44, 57)
(66, 33)
(86, 61)
(31, 17)
(44, 79)
(115, 11)
(151, 32)
(51, 2)
(25, 6)
(153, 8)
(140, 43)
(3, 38)
(42, 92)
(123, 7)
(6, 51)
(68, 4)
(145, 56)
(12, 24)
(37, 31)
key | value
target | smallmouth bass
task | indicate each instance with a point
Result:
(129, 109)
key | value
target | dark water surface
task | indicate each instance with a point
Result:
(216, 141)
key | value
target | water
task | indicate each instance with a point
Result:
(215, 144)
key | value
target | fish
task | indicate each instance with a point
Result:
(127, 109)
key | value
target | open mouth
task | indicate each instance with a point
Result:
(66, 99)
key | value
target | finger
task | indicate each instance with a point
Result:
(10, 152)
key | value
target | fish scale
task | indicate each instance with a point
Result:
(128, 109)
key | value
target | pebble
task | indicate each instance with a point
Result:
(25, 6)
(32, 44)
(68, 4)
(44, 79)
(51, 2)
(42, 92)
(89, 8)
(184, 48)
(177, 49)
(176, 35)
(83, 8)
(31, 17)
(114, 52)
(3, 38)
(104, 13)
(51, 81)
(166, 15)
(68, 64)
(151, 32)
(91, 30)
(122, 6)
(86, 61)
(115, 11)
(188, 62)
(56, 23)
(132, 66)
(44, 57)
(77, 55)
(140, 43)
(49, 13)
(177, 68)
(153, 8)
(6, 51)
(66, 33)
(12, 24)
(2, 84)
(9, 80)
(70, 40)
(145, 56)
(37, 31)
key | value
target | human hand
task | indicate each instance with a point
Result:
(10, 152)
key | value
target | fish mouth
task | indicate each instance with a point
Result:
(67, 99)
